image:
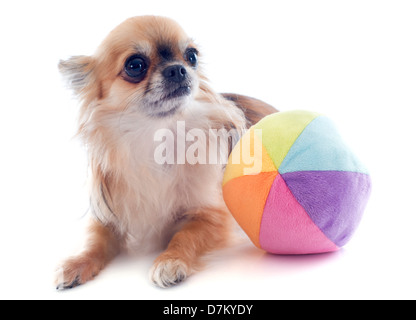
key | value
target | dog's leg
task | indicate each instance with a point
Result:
(102, 246)
(207, 230)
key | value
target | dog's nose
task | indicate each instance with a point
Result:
(176, 73)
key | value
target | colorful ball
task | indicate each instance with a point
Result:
(294, 186)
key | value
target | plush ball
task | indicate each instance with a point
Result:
(294, 186)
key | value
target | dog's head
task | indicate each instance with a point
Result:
(147, 63)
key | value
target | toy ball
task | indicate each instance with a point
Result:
(294, 186)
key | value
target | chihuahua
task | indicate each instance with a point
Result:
(146, 78)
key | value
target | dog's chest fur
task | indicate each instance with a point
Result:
(146, 200)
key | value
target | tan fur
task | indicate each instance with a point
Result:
(136, 203)
(102, 246)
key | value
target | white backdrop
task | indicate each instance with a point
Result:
(353, 60)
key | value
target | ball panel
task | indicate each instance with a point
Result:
(320, 148)
(334, 200)
(286, 228)
(246, 155)
(246, 197)
(280, 131)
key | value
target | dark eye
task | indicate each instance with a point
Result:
(135, 67)
(191, 55)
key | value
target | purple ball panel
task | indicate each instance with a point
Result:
(334, 200)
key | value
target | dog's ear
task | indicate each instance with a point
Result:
(78, 72)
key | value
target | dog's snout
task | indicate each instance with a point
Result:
(176, 73)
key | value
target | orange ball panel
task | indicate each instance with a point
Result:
(247, 196)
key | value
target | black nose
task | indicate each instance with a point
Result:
(176, 73)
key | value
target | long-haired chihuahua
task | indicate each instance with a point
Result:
(145, 79)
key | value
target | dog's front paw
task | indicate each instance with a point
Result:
(76, 271)
(167, 272)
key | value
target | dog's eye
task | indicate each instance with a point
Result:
(191, 55)
(135, 67)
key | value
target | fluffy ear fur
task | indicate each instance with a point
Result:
(78, 73)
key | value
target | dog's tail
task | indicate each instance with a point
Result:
(254, 109)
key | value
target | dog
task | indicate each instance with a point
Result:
(144, 79)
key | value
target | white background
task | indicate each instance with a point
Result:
(353, 60)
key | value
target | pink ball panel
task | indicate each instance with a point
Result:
(286, 228)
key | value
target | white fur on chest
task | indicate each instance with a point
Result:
(159, 195)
